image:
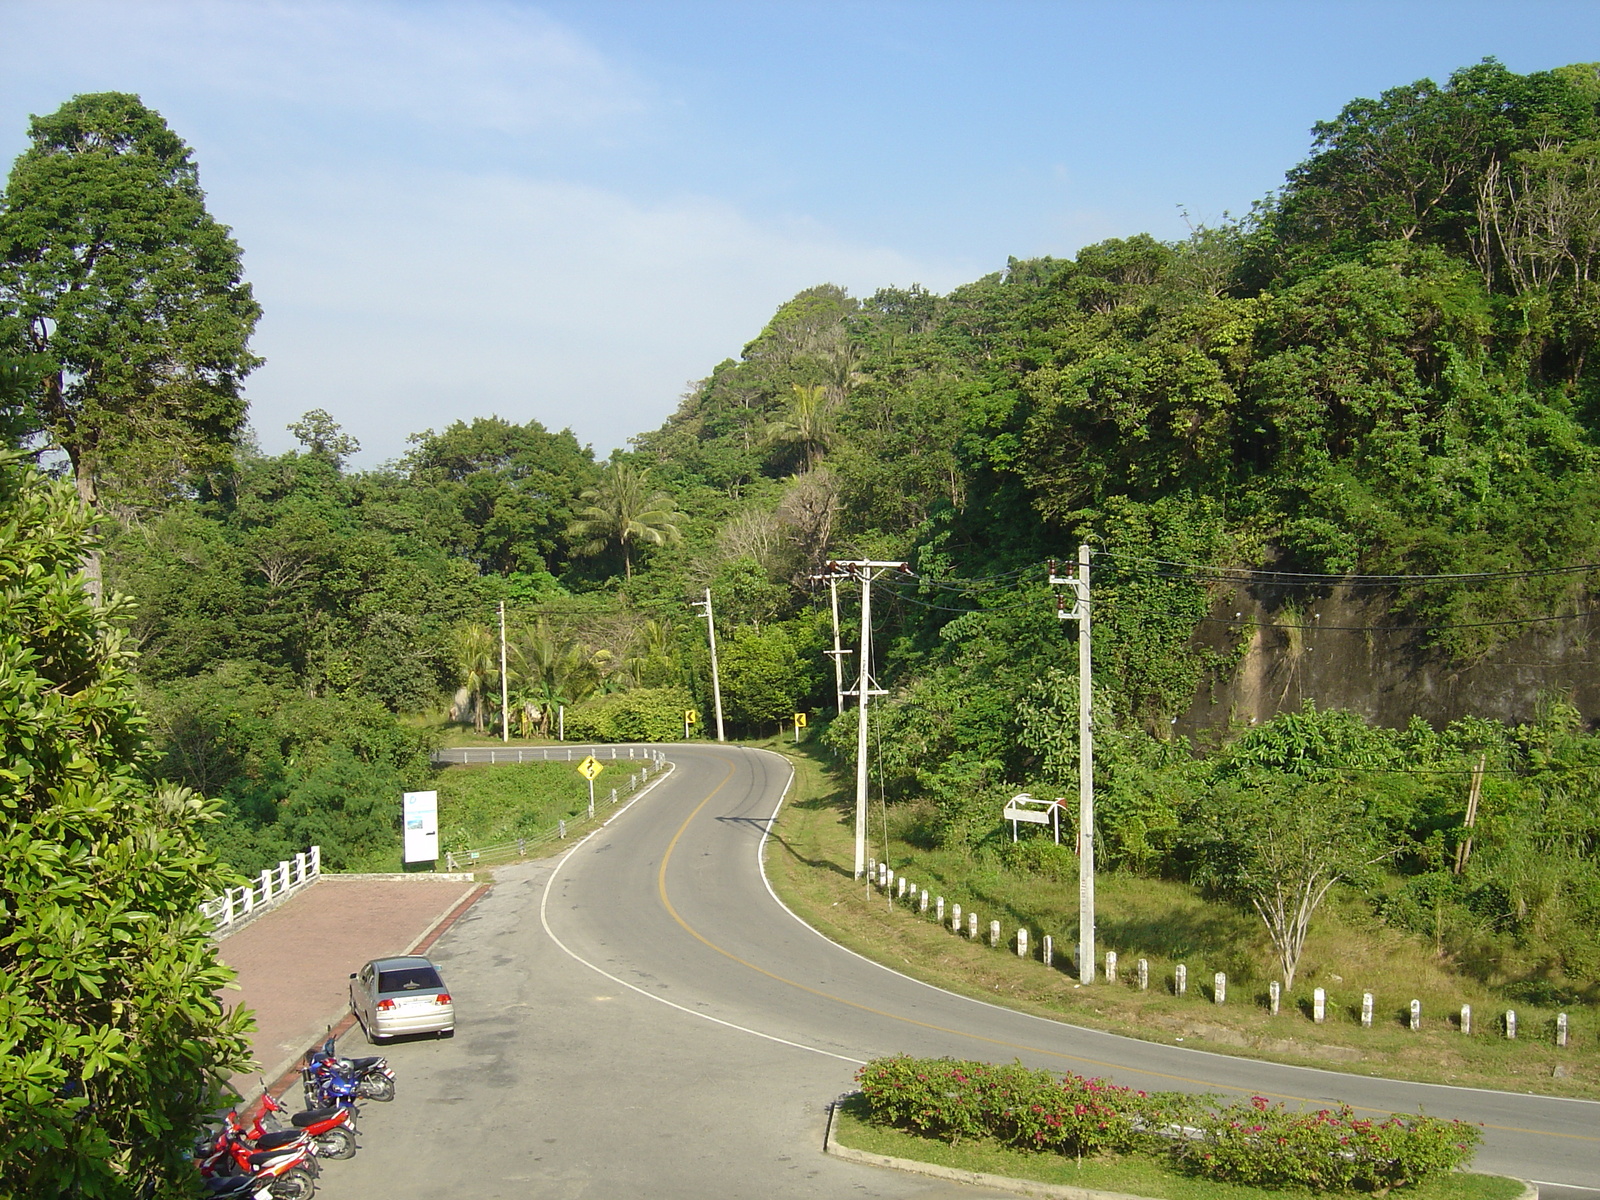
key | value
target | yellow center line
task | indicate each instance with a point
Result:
(661, 887)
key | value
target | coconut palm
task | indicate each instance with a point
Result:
(807, 422)
(475, 655)
(623, 510)
(553, 670)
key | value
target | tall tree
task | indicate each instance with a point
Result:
(129, 293)
(115, 1045)
(623, 510)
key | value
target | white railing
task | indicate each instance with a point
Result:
(275, 884)
(568, 752)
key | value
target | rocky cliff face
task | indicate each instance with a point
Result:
(1340, 649)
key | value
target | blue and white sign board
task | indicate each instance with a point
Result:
(421, 826)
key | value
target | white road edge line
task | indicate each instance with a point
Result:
(762, 867)
(570, 953)
(1575, 1187)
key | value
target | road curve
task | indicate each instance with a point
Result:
(702, 928)
(641, 1017)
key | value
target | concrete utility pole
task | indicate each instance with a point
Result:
(1079, 612)
(716, 679)
(865, 570)
(505, 685)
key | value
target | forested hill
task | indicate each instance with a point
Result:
(1384, 374)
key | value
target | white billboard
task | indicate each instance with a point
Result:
(421, 826)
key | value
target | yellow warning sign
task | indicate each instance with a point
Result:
(590, 767)
(690, 717)
(800, 720)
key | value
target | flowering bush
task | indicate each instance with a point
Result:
(952, 1100)
(1252, 1142)
(1256, 1142)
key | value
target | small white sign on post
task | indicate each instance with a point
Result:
(1035, 812)
(420, 811)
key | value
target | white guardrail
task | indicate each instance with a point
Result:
(275, 885)
(647, 761)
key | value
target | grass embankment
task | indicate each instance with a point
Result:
(810, 864)
(482, 805)
(1132, 1174)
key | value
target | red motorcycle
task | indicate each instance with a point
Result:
(285, 1163)
(331, 1130)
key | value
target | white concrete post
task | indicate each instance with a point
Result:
(1511, 1024)
(316, 860)
(1219, 983)
(1048, 951)
(1111, 966)
(888, 879)
(1319, 1006)
(938, 910)
(283, 877)
(561, 828)
(902, 888)
(266, 885)
(922, 906)
(1416, 1014)
(1274, 996)
(1180, 980)
(1366, 1010)
(955, 917)
(972, 926)
(1561, 1029)
(1144, 975)
(1466, 1018)
(1022, 943)
(994, 935)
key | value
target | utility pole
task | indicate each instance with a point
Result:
(1079, 612)
(865, 570)
(716, 679)
(505, 686)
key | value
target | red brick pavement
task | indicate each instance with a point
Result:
(294, 962)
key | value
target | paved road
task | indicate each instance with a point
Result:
(643, 1018)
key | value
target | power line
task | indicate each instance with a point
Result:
(1397, 628)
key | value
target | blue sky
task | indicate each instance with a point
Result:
(567, 211)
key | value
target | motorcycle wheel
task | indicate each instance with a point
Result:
(338, 1142)
(376, 1087)
(294, 1184)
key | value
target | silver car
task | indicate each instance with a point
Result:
(395, 996)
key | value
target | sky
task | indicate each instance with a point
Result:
(569, 211)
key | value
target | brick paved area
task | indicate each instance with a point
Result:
(294, 962)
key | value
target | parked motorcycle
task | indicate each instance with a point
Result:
(375, 1079)
(332, 1130)
(284, 1163)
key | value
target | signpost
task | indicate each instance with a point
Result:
(689, 718)
(421, 823)
(1035, 812)
(799, 724)
(589, 768)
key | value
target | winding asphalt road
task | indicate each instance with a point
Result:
(643, 1018)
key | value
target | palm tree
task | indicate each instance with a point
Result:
(623, 510)
(806, 422)
(476, 657)
(554, 670)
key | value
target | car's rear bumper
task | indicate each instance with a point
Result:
(434, 1018)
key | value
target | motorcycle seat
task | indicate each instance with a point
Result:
(313, 1116)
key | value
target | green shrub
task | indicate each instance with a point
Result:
(637, 715)
(1254, 1142)
(1251, 1142)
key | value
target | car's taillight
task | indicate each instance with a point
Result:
(385, 1005)
(442, 998)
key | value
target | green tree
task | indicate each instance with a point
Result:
(762, 679)
(623, 510)
(807, 422)
(474, 653)
(324, 437)
(128, 292)
(113, 1044)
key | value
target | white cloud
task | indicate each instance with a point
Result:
(412, 300)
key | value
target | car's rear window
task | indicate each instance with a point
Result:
(408, 979)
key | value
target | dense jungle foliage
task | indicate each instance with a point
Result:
(1385, 370)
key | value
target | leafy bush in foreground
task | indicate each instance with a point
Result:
(1250, 1142)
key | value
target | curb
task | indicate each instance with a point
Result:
(1005, 1183)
